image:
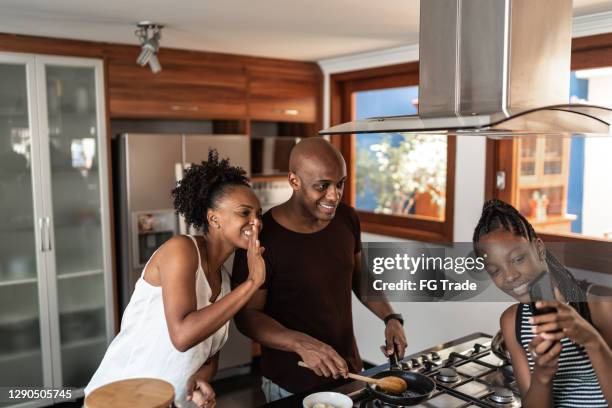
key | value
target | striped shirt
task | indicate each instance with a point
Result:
(575, 383)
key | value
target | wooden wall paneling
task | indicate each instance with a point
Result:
(449, 210)
(319, 103)
(51, 46)
(405, 69)
(506, 162)
(591, 42)
(248, 103)
(336, 90)
(592, 52)
(490, 170)
(348, 144)
(500, 156)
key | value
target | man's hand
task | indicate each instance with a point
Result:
(394, 336)
(320, 357)
(200, 392)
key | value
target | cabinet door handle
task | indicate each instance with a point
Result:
(185, 108)
(290, 112)
(48, 223)
(42, 235)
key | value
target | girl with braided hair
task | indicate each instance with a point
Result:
(178, 317)
(563, 357)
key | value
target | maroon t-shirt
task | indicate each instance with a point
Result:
(309, 282)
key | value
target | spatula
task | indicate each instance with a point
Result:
(390, 384)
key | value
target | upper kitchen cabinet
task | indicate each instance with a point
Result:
(191, 85)
(227, 89)
(286, 92)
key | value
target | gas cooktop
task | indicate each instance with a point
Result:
(466, 374)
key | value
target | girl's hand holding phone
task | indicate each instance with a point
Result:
(565, 322)
(545, 354)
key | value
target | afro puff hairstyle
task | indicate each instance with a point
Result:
(203, 185)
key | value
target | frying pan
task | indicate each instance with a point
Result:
(498, 347)
(419, 388)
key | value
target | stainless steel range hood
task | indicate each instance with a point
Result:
(496, 68)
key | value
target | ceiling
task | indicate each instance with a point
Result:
(294, 29)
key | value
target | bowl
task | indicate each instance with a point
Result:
(334, 398)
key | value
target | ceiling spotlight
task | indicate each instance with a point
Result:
(148, 34)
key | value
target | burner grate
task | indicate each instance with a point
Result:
(472, 378)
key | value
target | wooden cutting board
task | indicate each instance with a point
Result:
(132, 393)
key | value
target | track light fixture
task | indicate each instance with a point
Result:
(149, 34)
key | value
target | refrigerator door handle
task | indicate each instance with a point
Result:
(48, 225)
(42, 235)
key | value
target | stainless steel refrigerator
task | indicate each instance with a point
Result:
(149, 166)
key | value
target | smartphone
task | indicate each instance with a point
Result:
(541, 289)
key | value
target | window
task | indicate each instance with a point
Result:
(400, 185)
(395, 174)
(562, 184)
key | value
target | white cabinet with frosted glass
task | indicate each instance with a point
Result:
(56, 310)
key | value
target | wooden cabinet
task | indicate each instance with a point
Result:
(194, 84)
(543, 161)
(284, 95)
(56, 276)
(199, 85)
(284, 105)
(187, 87)
(542, 182)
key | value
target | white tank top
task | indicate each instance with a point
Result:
(143, 347)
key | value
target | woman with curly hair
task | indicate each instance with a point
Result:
(177, 319)
(560, 349)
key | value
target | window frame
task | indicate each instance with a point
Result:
(342, 88)
(587, 52)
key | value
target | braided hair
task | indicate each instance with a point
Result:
(497, 215)
(203, 185)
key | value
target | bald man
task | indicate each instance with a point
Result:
(313, 259)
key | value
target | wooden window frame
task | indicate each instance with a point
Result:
(581, 252)
(342, 88)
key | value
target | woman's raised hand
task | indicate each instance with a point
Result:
(255, 261)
